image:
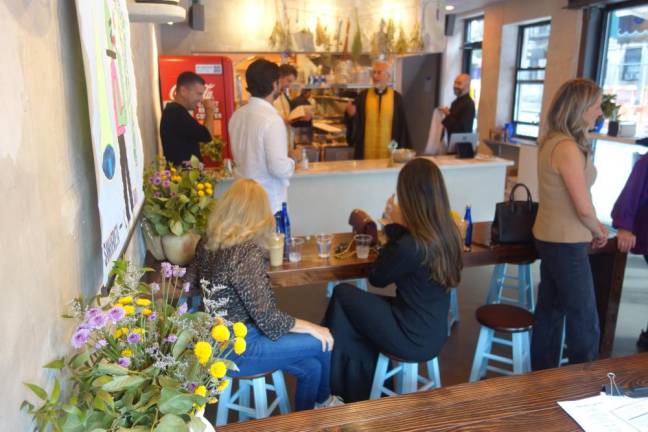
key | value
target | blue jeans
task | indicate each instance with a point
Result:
(566, 290)
(298, 354)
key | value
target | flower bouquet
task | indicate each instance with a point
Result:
(141, 364)
(212, 152)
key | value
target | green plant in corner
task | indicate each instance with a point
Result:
(609, 107)
(177, 200)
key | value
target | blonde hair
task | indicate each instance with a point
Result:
(241, 214)
(566, 111)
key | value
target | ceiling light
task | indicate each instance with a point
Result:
(449, 8)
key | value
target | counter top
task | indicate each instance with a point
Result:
(370, 166)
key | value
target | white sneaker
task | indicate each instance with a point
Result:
(332, 401)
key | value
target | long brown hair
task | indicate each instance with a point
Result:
(566, 111)
(425, 208)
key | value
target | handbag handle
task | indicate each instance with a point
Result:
(517, 185)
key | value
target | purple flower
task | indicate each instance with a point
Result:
(151, 180)
(116, 313)
(166, 183)
(167, 269)
(100, 344)
(157, 180)
(155, 287)
(173, 194)
(186, 164)
(98, 321)
(179, 271)
(167, 173)
(182, 309)
(91, 313)
(191, 387)
(201, 166)
(134, 338)
(84, 325)
(156, 195)
(80, 337)
(186, 286)
(123, 362)
(153, 316)
(171, 338)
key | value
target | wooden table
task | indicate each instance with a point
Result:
(516, 403)
(608, 268)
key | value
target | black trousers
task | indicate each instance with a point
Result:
(566, 291)
(363, 325)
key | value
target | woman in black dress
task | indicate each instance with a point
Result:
(423, 257)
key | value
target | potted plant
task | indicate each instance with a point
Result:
(212, 152)
(611, 112)
(139, 363)
(177, 201)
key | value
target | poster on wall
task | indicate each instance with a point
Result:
(112, 103)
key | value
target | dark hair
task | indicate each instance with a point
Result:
(186, 79)
(260, 76)
(287, 69)
(425, 208)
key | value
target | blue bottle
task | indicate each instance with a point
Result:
(469, 228)
(285, 223)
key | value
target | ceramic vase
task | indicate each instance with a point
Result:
(180, 250)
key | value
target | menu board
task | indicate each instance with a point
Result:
(112, 104)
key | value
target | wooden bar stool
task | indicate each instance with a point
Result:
(407, 376)
(228, 401)
(506, 319)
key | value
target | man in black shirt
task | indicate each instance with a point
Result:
(180, 132)
(461, 114)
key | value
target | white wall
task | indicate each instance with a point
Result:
(49, 225)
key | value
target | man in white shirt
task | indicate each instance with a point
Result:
(258, 135)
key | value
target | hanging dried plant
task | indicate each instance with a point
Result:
(416, 40)
(401, 43)
(356, 46)
(320, 33)
(390, 36)
(277, 36)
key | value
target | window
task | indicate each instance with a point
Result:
(531, 61)
(472, 55)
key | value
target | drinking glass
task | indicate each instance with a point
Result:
(276, 248)
(324, 245)
(295, 249)
(363, 244)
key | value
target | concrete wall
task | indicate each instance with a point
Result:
(49, 225)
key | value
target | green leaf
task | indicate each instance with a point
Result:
(111, 369)
(38, 391)
(55, 364)
(123, 382)
(183, 199)
(73, 423)
(161, 229)
(168, 382)
(173, 402)
(188, 217)
(56, 391)
(181, 344)
(197, 425)
(176, 227)
(106, 398)
(80, 359)
(27, 406)
(171, 423)
(101, 381)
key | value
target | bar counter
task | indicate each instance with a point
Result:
(321, 198)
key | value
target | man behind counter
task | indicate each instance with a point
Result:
(461, 114)
(179, 131)
(376, 117)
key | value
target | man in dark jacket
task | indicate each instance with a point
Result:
(179, 131)
(461, 114)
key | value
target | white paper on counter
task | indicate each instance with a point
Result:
(605, 413)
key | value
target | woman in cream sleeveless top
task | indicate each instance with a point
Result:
(566, 225)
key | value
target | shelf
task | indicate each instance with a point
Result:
(618, 139)
(343, 86)
(155, 13)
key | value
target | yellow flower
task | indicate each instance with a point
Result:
(129, 310)
(212, 401)
(138, 330)
(201, 391)
(143, 302)
(200, 186)
(118, 333)
(127, 353)
(223, 385)
(239, 345)
(218, 369)
(240, 330)
(201, 193)
(220, 333)
(146, 312)
(173, 170)
(124, 330)
(125, 300)
(203, 352)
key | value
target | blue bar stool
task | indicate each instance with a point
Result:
(522, 282)
(228, 401)
(407, 377)
(453, 313)
(360, 283)
(196, 301)
(507, 319)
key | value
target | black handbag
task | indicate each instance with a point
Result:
(514, 219)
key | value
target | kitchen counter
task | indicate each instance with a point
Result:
(321, 198)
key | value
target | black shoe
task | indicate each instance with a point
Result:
(642, 342)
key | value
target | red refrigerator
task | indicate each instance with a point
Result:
(218, 73)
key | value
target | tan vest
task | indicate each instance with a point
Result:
(557, 219)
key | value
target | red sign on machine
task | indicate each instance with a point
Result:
(218, 73)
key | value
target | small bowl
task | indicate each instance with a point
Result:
(403, 155)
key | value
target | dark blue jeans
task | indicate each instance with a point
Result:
(297, 354)
(566, 290)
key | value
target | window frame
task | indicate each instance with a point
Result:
(516, 81)
(469, 47)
